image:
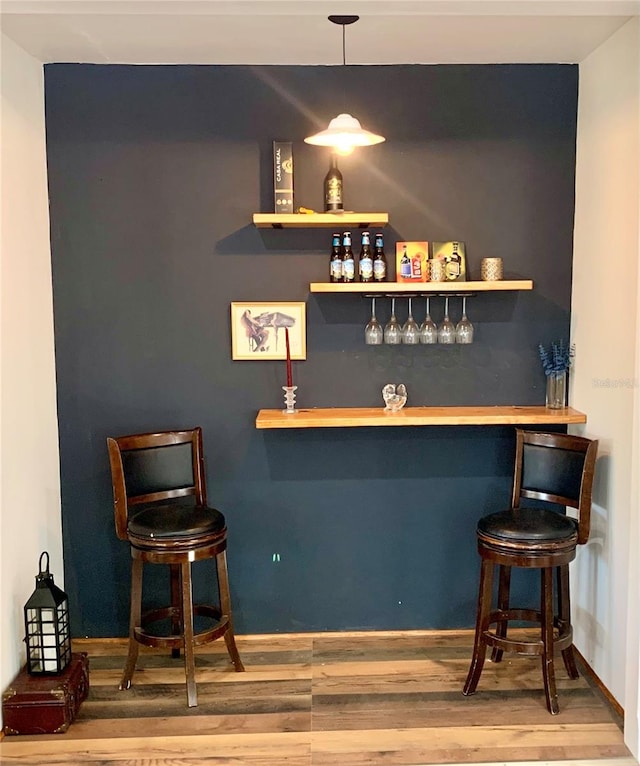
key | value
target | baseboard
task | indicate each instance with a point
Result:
(617, 707)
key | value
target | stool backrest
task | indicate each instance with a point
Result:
(147, 468)
(556, 468)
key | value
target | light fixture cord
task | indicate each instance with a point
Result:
(344, 31)
(344, 64)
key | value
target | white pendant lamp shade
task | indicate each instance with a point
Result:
(344, 133)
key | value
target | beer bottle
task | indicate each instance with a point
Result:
(335, 263)
(348, 264)
(333, 187)
(365, 259)
(379, 260)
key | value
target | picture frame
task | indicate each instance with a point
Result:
(258, 330)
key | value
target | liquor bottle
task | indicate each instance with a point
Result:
(365, 259)
(405, 264)
(379, 260)
(348, 263)
(335, 263)
(333, 187)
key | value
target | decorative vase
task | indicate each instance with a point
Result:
(556, 390)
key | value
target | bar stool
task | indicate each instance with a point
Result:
(556, 469)
(153, 477)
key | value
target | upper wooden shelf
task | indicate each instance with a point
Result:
(311, 220)
(420, 287)
(347, 417)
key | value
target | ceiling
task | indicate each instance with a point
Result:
(298, 32)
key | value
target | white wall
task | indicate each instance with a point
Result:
(605, 329)
(30, 519)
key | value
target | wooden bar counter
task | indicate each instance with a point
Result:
(349, 417)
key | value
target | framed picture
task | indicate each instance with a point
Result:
(258, 330)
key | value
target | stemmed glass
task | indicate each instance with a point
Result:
(428, 329)
(464, 328)
(447, 330)
(392, 330)
(410, 331)
(373, 331)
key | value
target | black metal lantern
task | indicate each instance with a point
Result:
(46, 621)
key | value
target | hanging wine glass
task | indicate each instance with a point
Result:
(428, 329)
(447, 330)
(373, 334)
(392, 330)
(464, 328)
(410, 330)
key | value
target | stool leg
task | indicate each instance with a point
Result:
(564, 613)
(504, 587)
(482, 623)
(135, 619)
(175, 591)
(225, 606)
(546, 608)
(187, 623)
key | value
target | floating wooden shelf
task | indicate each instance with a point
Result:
(348, 417)
(420, 288)
(312, 220)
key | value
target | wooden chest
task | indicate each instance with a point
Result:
(46, 704)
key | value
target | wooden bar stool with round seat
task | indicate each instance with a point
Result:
(556, 469)
(160, 503)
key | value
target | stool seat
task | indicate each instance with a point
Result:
(175, 521)
(528, 525)
(554, 470)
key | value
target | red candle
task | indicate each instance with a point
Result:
(289, 378)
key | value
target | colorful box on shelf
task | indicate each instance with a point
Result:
(411, 261)
(452, 256)
(283, 177)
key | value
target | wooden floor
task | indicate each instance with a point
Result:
(326, 700)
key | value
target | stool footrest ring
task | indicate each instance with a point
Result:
(562, 640)
(143, 636)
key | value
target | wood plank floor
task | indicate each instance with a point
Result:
(326, 700)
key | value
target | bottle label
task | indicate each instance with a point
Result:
(333, 192)
(366, 268)
(348, 268)
(336, 269)
(379, 270)
(405, 269)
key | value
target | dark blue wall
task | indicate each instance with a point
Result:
(154, 173)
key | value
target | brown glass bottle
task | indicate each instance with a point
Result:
(333, 187)
(379, 260)
(335, 262)
(348, 263)
(365, 259)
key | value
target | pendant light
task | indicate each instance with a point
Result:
(344, 132)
